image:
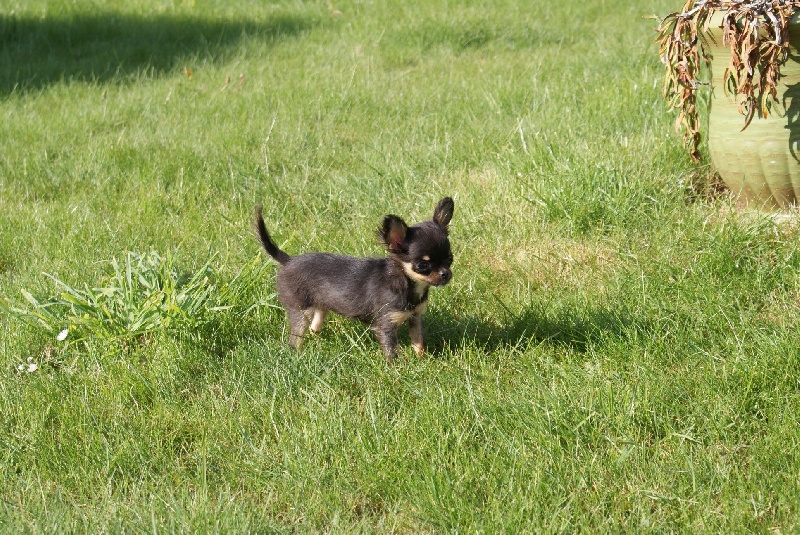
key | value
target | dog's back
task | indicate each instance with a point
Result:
(337, 283)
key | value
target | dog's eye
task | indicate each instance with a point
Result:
(423, 267)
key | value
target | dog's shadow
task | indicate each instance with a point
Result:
(570, 328)
(574, 328)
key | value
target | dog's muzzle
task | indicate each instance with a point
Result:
(444, 276)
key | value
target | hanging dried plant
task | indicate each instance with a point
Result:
(755, 30)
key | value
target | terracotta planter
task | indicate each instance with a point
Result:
(761, 163)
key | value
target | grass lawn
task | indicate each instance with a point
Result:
(614, 353)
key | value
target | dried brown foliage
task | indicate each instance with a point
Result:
(755, 31)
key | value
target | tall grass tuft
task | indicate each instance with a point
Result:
(144, 293)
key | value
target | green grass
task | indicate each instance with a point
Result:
(617, 350)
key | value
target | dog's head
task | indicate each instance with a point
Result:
(423, 249)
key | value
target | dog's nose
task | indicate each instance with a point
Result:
(445, 275)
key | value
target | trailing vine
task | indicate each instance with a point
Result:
(755, 31)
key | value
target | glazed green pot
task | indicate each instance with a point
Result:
(762, 163)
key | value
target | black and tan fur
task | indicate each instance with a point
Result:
(383, 292)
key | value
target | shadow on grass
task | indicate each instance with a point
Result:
(36, 52)
(573, 329)
(576, 329)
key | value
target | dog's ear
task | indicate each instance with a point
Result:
(443, 213)
(393, 233)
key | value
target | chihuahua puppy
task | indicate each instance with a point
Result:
(383, 292)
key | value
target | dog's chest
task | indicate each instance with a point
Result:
(418, 292)
(416, 296)
(400, 317)
(416, 304)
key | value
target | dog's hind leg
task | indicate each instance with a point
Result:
(417, 334)
(298, 325)
(318, 319)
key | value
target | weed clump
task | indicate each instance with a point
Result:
(144, 294)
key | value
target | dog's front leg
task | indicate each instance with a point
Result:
(386, 333)
(417, 334)
(415, 329)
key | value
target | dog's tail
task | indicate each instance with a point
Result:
(267, 242)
